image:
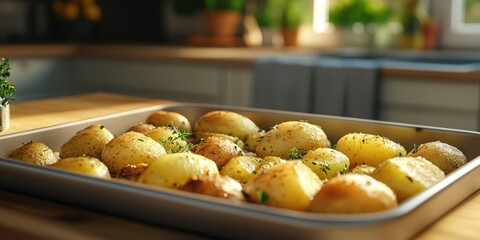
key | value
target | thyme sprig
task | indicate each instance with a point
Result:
(6, 89)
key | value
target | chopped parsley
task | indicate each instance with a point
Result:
(262, 196)
(295, 154)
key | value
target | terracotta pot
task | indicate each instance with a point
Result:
(223, 23)
(290, 36)
(4, 118)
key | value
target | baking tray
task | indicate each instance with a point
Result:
(214, 217)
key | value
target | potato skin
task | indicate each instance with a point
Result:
(285, 136)
(353, 193)
(33, 152)
(170, 140)
(141, 127)
(84, 165)
(131, 148)
(165, 118)
(407, 176)
(226, 122)
(200, 136)
(244, 168)
(87, 142)
(290, 185)
(220, 150)
(368, 149)
(445, 156)
(327, 163)
(216, 186)
(174, 170)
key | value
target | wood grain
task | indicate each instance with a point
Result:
(24, 217)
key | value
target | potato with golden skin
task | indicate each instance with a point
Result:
(131, 148)
(353, 193)
(33, 152)
(220, 150)
(169, 139)
(216, 186)
(286, 136)
(368, 149)
(176, 169)
(244, 168)
(327, 163)
(141, 127)
(363, 169)
(407, 176)
(84, 165)
(252, 141)
(199, 136)
(290, 185)
(443, 155)
(228, 123)
(87, 142)
(166, 118)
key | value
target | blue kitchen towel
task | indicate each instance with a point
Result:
(325, 85)
(346, 87)
(283, 82)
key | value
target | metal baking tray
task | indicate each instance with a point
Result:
(214, 217)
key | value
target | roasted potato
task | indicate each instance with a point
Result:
(253, 140)
(131, 172)
(216, 186)
(407, 176)
(33, 152)
(327, 163)
(87, 142)
(226, 122)
(84, 165)
(286, 136)
(244, 168)
(199, 136)
(290, 185)
(443, 155)
(131, 148)
(363, 169)
(220, 150)
(368, 149)
(172, 140)
(353, 193)
(166, 118)
(141, 127)
(174, 170)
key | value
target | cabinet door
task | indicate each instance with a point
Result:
(433, 102)
(36, 78)
(182, 82)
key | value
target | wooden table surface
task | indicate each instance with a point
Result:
(25, 217)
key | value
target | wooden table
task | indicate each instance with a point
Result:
(24, 217)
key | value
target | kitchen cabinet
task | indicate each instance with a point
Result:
(188, 82)
(40, 77)
(429, 101)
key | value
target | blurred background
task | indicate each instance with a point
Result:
(417, 24)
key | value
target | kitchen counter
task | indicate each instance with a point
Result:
(24, 217)
(238, 57)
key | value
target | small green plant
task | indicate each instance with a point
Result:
(6, 89)
(293, 13)
(345, 13)
(231, 5)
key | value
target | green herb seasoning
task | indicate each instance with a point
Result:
(6, 89)
(262, 197)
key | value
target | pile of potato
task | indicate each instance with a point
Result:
(291, 165)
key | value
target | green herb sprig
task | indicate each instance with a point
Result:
(6, 89)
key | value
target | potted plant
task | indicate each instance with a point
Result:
(292, 19)
(354, 18)
(268, 16)
(223, 16)
(6, 91)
